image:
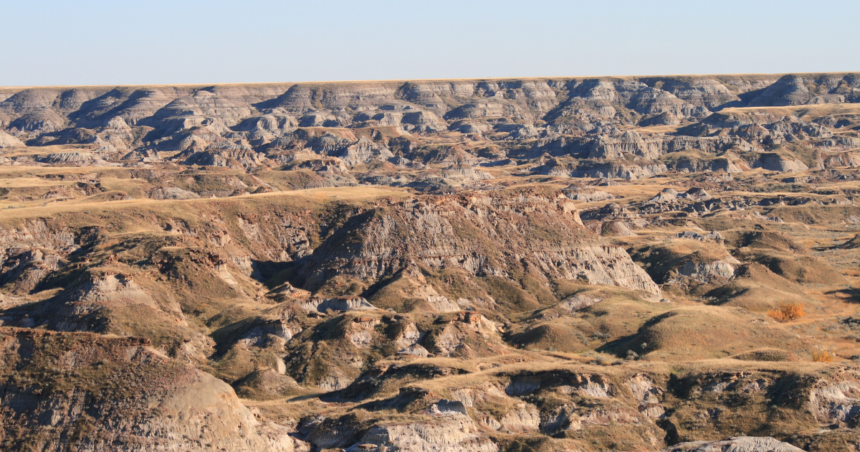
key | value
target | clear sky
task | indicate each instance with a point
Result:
(88, 42)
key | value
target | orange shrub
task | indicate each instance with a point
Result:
(823, 356)
(787, 312)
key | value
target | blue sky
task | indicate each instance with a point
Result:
(85, 42)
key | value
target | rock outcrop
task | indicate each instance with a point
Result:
(462, 232)
(126, 395)
(737, 444)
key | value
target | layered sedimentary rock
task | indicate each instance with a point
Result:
(265, 125)
(483, 235)
(83, 391)
(552, 264)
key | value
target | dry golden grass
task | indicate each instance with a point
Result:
(347, 194)
(804, 112)
(28, 182)
(707, 332)
(655, 129)
(522, 361)
(766, 354)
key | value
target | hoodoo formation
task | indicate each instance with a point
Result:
(548, 264)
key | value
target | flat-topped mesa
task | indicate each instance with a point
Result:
(481, 234)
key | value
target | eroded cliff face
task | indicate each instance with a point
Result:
(588, 408)
(75, 391)
(483, 234)
(360, 123)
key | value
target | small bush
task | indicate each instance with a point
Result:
(823, 356)
(787, 312)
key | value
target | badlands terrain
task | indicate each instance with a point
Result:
(567, 264)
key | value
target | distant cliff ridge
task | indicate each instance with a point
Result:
(265, 124)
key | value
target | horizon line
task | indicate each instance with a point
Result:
(466, 79)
